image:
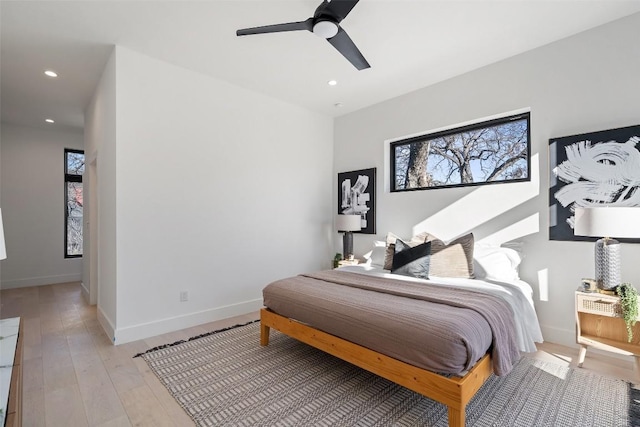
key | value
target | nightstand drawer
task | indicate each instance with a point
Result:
(598, 304)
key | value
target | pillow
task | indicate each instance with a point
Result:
(411, 261)
(391, 241)
(377, 254)
(453, 259)
(496, 263)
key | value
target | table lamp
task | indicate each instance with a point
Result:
(607, 222)
(348, 224)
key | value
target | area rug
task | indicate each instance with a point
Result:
(227, 379)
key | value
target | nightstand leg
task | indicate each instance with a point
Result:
(583, 353)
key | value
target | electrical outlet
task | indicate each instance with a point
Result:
(184, 296)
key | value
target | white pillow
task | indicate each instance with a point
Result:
(496, 263)
(376, 256)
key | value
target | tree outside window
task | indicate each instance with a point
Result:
(483, 153)
(73, 170)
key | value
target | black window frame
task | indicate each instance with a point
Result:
(455, 130)
(69, 177)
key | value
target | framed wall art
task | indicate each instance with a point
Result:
(592, 169)
(357, 196)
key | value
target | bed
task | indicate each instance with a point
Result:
(442, 337)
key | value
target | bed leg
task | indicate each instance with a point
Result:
(264, 335)
(456, 417)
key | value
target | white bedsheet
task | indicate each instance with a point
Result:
(517, 294)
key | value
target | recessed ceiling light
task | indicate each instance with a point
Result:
(49, 120)
(51, 73)
(332, 82)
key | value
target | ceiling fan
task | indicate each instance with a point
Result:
(325, 23)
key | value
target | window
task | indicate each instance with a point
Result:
(73, 170)
(489, 152)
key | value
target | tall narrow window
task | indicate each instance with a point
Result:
(73, 170)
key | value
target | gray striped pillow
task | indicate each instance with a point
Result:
(454, 259)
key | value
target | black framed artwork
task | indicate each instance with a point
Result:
(357, 196)
(592, 169)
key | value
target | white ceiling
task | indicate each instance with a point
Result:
(409, 43)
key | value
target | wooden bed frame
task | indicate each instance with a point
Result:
(454, 392)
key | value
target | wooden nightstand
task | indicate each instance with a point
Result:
(348, 262)
(599, 324)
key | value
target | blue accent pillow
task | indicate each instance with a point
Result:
(411, 261)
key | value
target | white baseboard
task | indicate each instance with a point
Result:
(106, 324)
(559, 336)
(85, 292)
(150, 329)
(39, 281)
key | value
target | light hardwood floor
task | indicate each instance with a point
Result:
(74, 376)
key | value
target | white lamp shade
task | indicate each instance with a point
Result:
(3, 251)
(348, 223)
(607, 221)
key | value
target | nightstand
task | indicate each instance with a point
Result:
(348, 262)
(599, 324)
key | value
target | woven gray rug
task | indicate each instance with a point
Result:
(227, 379)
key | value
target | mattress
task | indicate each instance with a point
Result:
(440, 328)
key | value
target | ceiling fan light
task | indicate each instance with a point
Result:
(325, 29)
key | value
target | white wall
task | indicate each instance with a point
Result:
(100, 204)
(585, 83)
(32, 201)
(219, 191)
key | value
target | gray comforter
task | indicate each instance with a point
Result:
(444, 330)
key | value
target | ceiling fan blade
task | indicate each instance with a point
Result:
(343, 43)
(337, 9)
(277, 28)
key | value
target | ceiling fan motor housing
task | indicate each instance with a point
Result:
(325, 29)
